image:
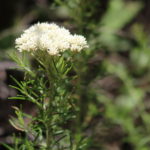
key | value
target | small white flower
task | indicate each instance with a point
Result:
(50, 38)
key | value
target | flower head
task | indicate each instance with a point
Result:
(50, 38)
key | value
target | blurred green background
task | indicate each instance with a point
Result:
(114, 72)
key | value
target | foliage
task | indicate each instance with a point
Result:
(49, 88)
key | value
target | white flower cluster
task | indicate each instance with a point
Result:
(50, 38)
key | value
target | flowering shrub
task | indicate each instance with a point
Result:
(49, 87)
(101, 93)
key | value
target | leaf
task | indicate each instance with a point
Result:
(15, 123)
(7, 146)
(119, 14)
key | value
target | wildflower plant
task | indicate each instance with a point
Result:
(49, 86)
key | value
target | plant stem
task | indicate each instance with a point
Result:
(48, 138)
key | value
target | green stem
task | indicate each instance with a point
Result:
(55, 66)
(48, 138)
(49, 116)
